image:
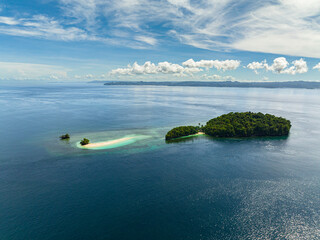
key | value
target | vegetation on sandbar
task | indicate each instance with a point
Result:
(65, 136)
(245, 124)
(84, 141)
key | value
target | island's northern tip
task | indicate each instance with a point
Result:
(237, 124)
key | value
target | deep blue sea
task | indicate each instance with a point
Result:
(197, 189)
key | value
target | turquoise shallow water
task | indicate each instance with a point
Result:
(195, 188)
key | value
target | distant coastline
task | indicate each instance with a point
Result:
(287, 84)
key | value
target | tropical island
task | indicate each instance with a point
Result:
(84, 141)
(65, 136)
(235, 124)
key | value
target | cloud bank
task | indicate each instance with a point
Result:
(280, 65)
(188, 67)
(219, 65)
(151, 68)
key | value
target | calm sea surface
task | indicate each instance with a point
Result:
(201, 188)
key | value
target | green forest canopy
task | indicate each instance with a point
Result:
(181, 131)
(65, 136)
(84, 141)
(235, 124)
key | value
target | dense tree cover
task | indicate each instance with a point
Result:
(181, 131)
(84, 141)
(247, 124)
(65, 136)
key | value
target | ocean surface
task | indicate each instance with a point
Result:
(198, 189)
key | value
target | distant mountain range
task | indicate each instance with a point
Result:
(288, 84)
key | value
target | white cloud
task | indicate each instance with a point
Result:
(54, 77)
(300, 66)
(20, 71)
(8, 20)
(44, 27)
(82, 10)
(146, 68)
(171, 68)
(289, 27)
(41, 26)
(317, 66)
(220, 65)
(146, 39)
(218, 77)
(89, 76)
(256, 65)
(151, 68)
(280, 65)
(229, 78)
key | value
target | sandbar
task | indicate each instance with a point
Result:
(107, 143)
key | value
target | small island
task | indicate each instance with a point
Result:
(235, 124)
(65, 136)
(84, 141)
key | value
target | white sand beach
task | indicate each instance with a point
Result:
(106, 143)
(200, 133)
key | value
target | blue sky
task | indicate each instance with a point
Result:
(178, 40)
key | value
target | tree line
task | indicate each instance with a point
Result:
(235, 124)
